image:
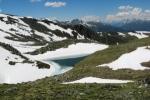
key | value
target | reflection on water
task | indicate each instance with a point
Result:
(65, 64)
(68, 61)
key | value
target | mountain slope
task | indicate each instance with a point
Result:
(53, 89)
(98, 26)
(132, 25)
(32, 30)
(22, 38)
(37, 36)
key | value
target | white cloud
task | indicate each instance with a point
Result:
(55, 4)
(147, 11)
(52, 18)
(90, 18)
(129, 13)
(35, 0)
(128, 7)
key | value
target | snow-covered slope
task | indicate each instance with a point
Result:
(24, 30)
(21, 35)
(20, 72)
(13, 69)
(98, 80)
(139, 35)
(28, 34)
(73, 50)
(131, 60)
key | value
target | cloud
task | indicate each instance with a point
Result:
(55, 4)
(128, 7)
(90, 18)
(129, 13)
(35, 0)
(147, 11)
(52, 18)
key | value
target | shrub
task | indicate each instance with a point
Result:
(146, 64)
(12, 63)
(42, 65)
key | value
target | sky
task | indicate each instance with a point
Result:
(97, 10)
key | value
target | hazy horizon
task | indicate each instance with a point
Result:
(96, 10)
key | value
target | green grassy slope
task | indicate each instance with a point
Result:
(87, 67)
(51, 88)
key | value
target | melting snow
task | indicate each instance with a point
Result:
(23, 72)
(98, 80)
(79, 49)
(20, 72)
(138, 35)
(56, 27)
(131, 60)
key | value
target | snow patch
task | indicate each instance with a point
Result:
(121, 34)
(131, 60)
(56, 27)
(138, 35)
(21, 72)
(79, 49)
(143, 32)
(98, 80)
(57, 38)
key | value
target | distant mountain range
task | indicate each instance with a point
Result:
(137, 25)
(122, 26)
(42, 31)
(98, 26)
(22, 37)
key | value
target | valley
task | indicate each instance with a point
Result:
(42, 59)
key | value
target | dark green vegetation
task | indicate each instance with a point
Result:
(87, 67)
(114, 38)
(50, 88)
(146, 64)
(12, 50)
(33, 23)
(78, 30)
(26, 60)
(12, 63)
(42, 65)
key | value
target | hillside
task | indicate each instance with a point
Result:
(138, 25)
(52, 87)
(31, 36)
(26, 43)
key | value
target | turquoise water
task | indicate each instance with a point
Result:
(68, 61)
(64, 65)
